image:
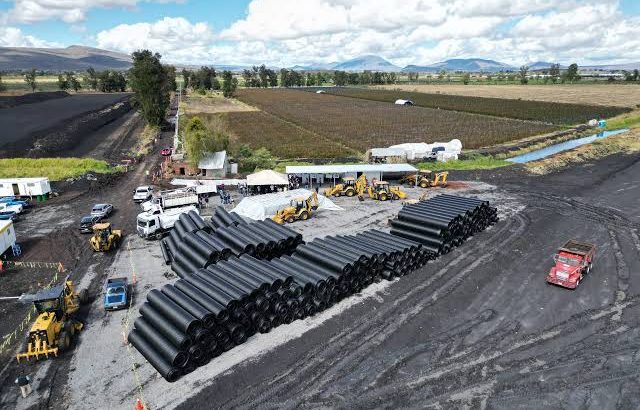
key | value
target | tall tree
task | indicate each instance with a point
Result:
(30, 79)
(2, 86)
(572, 73)
(273, 78)
(62, 82)
(90, 80)
(150, 83)
(229, 84)
(186, 77)
(554, 72)
(466, 78)
(524, 71)
(171, 77)
(72, 81)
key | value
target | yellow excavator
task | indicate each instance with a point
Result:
(382, 191)
(55, 327)
(299, 208)
(426, 179)
(104, 237)
(349, 187)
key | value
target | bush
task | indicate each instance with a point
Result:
(55, 169)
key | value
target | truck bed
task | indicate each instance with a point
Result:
(578, 248)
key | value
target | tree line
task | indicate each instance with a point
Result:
(206, 78)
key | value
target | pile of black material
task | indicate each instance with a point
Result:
(443, 222)
(193, 244)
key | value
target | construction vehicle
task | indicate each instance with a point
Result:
(299, 208)
(426, 179)
(104, 237)
(382, 191)
(156, 222)
(173, 198)
(55, 327)
(349, 187)
(573, 261)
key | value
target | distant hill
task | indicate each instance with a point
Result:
(73, 58)
(368, 62)
(542, 65)
(461, 64)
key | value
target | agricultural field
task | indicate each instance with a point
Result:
(617, 95)
(547, 112)
(363, 124)
(283, 139)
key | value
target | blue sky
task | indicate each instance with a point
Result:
(287, 32)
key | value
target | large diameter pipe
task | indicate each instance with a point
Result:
(207, 318)
(224, 216)
(416, 237)
(187, 223)
(173, 355)
(265, 267)
(249, 275)
(182, 319)
(212, 305)
(165, 253)
(236, 241)
(198, 221)
(187, 253)
(209, 252)
(170, 373)
(177, 337)
(286, 231)
(324, 259)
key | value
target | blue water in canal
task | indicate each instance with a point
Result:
(563, 146)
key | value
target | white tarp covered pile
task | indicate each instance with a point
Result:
(267, 177)
(420, 150)
(261, 207)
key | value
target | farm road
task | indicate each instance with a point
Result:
(479, 327)
(20, 122)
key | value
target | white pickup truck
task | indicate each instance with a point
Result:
(4, 207)
(156, 222)
(143, 193)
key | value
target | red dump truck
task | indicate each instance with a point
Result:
(573, 261)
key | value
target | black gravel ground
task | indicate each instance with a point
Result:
(480, 327)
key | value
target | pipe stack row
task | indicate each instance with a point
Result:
(193, 244)
(443, 222)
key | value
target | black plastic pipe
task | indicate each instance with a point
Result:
(165, 253)
(207, 318)
(175, 357)
(214, 292)
(183, 320)
(170, 373)
(177, 337)
(216, 308)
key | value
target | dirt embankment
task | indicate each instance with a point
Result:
(15, 100)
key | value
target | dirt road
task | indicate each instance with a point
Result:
(480, 328)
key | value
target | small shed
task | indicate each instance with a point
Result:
(387, 155)
(214, 164)
(25, 187)
(267, 181)
(403, 102)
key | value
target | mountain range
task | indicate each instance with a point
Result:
(79, 58)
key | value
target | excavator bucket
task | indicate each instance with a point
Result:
(278, 219)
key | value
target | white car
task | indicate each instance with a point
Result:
(143, 193)
(12, 208)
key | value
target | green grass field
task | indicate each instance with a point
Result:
(56, 169)
(476, 162)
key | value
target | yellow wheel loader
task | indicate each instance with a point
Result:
(104, 237)
(382, 191)
(55, 327)
(426, 179)
(298, 209)
(346, 188)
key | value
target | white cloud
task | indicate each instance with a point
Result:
(69, 11)
(14, 37)
(177, 38)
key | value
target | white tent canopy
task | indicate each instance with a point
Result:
(261, 207)
(267, 177)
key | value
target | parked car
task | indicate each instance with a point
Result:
(143, 193)
(116, 294)
(11, 200)
(102, 210)
(8, 207)
(87, 222)
(8, 215)
(166, 151)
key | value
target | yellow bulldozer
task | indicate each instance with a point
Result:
(426, 179)
(104, 237)
(382, 191)
(349, 187)
(55, 327)
(299, 208)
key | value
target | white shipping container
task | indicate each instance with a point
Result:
(7, 236)
(24, 187)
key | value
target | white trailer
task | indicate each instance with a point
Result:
(172, 199)
(155, 223)
(7, 236)
(25, 187)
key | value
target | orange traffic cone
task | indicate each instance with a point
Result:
(139, 405)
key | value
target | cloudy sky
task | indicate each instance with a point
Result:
(289, 32)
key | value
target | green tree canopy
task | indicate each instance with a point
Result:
(150, 82)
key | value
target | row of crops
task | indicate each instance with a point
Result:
(548, 112)
(361, 124)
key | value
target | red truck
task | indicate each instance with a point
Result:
(573, 261)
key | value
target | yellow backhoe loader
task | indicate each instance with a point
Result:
(104, 237)
(299, 208)
(382, 191)
(426, 179)
(55, 327)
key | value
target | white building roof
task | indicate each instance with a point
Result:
(213, 160)
(341, 169)
(267, 177)
(387, 152)
(17, 180)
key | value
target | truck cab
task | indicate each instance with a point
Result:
(116, 294)
(573, 261)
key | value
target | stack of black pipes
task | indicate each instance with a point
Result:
(193, 244)
(443, 222)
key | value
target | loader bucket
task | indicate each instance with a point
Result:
(36, 349)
